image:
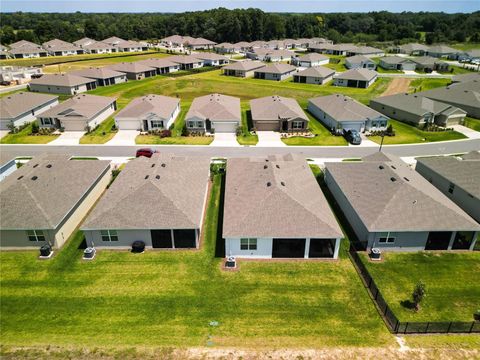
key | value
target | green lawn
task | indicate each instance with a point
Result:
(466, 46)
(337, 66)
(472, 123)
(169, 298)
(246, 138)
(24, 137)
(100, 135)
(451, 280)
(408, 134)
(427, 84)
(457, 70)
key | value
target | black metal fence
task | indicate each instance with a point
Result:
(395, 325)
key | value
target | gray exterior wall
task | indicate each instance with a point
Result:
(397, 114)
(344, 82)
(277, 77)
(313, 79)
(28, 116)
(67, 90)
(361, 65)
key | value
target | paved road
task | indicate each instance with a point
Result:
(450, 147)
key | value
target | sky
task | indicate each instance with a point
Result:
(448, 6)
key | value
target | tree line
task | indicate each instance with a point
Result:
(222, 25)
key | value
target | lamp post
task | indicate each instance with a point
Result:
(381, 143)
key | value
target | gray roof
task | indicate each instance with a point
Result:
(464, 173)
(472, 155)
(97, 73)
(162, 106)
(23, 43)
(210, 56)
(277, 69)
(426, 60)
(84, 41)
(466, 77)
(113, 40)
(466, 94)
(344, 108)
(442, 49)
(394, 60)
(131, 67)
(275, 198)
(357, 74)
(312, 57)
(59, 45)
(163, 192)
(246, 65)
(358, 59)
(184, 59)
(215, 107)
(158, 63)
(367, 50)
(413, 47)
(391, 196)
(98, 45)
(67, 79)
(129, 44)
(317, 71)
(17, 104)
(44, 202)
(275, 108)
(199, 41)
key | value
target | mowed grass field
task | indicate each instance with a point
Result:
(169, 298)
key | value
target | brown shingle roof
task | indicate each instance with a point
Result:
(159, 105)
(61, 80)
(277, 69)
(246, 65)
(17, 104)
(215, 107)
(276, 107)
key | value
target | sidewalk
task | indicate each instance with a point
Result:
(469, 133)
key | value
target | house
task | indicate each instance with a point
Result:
(67, 84)
(242, 68)
(441, 51)
(25, 50)
(391, 207)
(318, 75)
(113, 41)
(275, 72)
(214, 113)
(212, 59)
(456, 177)
(200, 44)
(275, 45)
(467, 56)
(338, 112)
(21, 108)
(84, 42)
(359, 78)
(466, 77)
(104, 76)
(337, 49)
(149, 112)
(278, 55)
(242, 46)
(58, 47)
(225, 48)
(258, 53)
(162, 66)
(418, 110)
(360, 62)
(134, 70)
(45, 200)
(309, 60)
(131, 46)
(186, 62)
(274, 208)
(397, 63)
(80, 113)
(413, 49)
(428, 64)
(99, 47)
(173, 41)
(8, 166)
(19, 74)
(366, 51)
(277, 113)
(159, 200)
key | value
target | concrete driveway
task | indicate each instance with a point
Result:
(225, 139)
(68, 138)
(3, 133)
(269, 139)
(124, 137)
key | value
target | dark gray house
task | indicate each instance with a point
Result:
(359, 78)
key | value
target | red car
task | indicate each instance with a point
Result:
(147, 152)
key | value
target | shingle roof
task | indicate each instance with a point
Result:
(426, 60)
(17, 104)
(394, 60)
(357, 74)
(462, 94)
(367, 50)
(84, 41)
(277, 69)
(312, 57)
(23, 43)
(390, 196)
(317, 71)
(97, 73)
(131, 67)
(61, 80)
(98, 45)
(210, 56)
(59, 45)
(113, 40)
(413, 47)
(466, 77)
(245, 65)
(215, 107)
(42, 203)
(442, 49)
(129, 44)
(275, 198)
(158, 63)
(276, 107)
(184, 59)
(358, 59)
(148, 195)
(162, 106)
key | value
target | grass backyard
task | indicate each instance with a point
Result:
(245, 138)
(451, 281)
(472, 123)
(24, 137)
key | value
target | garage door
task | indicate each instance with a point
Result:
(267, 126)
(128, 124)
(288, 248)
(225, 127)
(352, 126)
(74, 125)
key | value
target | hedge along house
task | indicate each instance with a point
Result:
(318, 75)
(456, 177)
(418, 110)
(159, 200)
(162, 66)
(360, 62)
(134, 70)
(359, 78)
(242, 68)
(80, 113)
(338, 112)
(21, 108)
(274, 208)
(149, 112)
(277, 113)
(104, 76)
(44, 201)
(391, 207)
(67, 84)
(214, 113)
(276, 72)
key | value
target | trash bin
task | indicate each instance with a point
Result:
(45, 250)
(138, 246)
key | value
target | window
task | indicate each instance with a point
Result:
(297, 125)
(157, 124)
(191, 124)
(199, 124)
(386, 240)
(451, 188)
(109, 235)
(47, 121)
(248, 244)
(35, 235)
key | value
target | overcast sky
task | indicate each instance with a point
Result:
(266, 5)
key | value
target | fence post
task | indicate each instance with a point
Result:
(449, 326)
(397, 324)
(471, 327)
(426, 329)
(406, 326)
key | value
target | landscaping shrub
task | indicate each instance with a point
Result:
(35, 127)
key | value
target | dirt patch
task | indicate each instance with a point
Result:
(397, 85)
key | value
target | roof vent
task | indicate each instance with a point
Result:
(414, 202)
(146, 177)
(20, 177)
(381, 167)
(393, 167)
(265, 166)
(393, 179)
(34, 178)
(278, 166)
(269, 184)
(406, 179)
(157, 177)
(163, 165)
(282, 183)
(49, 166)
(34, 166)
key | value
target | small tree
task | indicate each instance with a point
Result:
(419, 292)
(35, 127)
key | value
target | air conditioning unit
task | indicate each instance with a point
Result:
(89, 253)
(375, 254)
(46, 252)
(231, 263)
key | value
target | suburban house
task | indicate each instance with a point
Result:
(441, 51)
(99, 47)
(131, 46)
(162, 66)
(360, 62)
(365, 51)
(278, 55)
(275, 45)
(58, 47)
(173, 41)
(214, 113)
(199, 43)
(338, 112)
(397, 63)
(413, 49)
(24, 49)
(417, 110)
(242, 46)
(134, 70)
(428, 64)
(113, 41)
(44, 201)
(455, 177)
(84, 42)
(277, 113)
(257, 53)
(275, 72)
(242, 68)
(225, 48)
(309, 60)
(159, 200)
(103, 75)
(359, 78)
(21, 108)
(186, 62)
(68, 84)
(80, 113)
(337, 49)
(274, 208)
(212, 59)
(149, 112)
(392, 207)
(314, 75)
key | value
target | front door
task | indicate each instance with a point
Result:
(145, 125)
(438, 240)
(161, 239)
(288, 248)
(208, 125)
(284, 125)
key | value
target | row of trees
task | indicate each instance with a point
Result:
(243, 25)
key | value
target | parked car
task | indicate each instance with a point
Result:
(352, 136)
(147, 152)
